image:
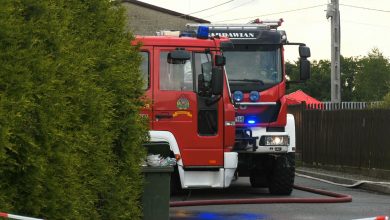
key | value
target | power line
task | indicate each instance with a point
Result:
(228, 9)
(359, 7)
(206, 9)
(275, 13)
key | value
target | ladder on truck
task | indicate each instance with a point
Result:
(256, 24)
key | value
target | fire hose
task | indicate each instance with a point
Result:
(358, 183)
(335, 198)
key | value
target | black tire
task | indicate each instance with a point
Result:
(282, 178)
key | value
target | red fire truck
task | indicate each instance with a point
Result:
(191, 112)
(265, 133)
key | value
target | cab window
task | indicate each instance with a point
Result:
(145, 70)
(176, 77)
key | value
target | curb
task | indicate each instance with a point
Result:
(376, 187)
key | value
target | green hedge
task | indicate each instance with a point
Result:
(70, 132)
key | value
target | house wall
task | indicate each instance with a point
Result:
(145, 21)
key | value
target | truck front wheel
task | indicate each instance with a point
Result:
(282, 179)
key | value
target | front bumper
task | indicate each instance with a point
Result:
(256, 141)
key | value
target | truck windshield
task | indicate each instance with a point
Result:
(258, 65)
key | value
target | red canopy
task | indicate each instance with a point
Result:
(299, 96)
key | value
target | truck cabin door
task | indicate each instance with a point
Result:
(179, 107)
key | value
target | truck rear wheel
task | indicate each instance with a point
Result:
(282, 179)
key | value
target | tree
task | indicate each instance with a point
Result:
(362, 79)
(349, 70)
(373, 77)
(386, 101)
(318, 86)
(70, 133)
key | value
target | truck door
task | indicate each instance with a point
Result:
(180, 109)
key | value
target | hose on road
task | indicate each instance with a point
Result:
(335, 198)
(358, 183)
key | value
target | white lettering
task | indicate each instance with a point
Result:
(234, 35)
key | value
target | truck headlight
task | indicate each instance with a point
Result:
(275, 140)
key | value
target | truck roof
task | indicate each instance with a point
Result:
(178, 41)
(252, 33)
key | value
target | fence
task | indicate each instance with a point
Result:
(358, 138)
(343, 105)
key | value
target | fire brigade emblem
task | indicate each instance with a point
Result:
(183, 103)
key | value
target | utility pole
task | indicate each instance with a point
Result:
(334, 13)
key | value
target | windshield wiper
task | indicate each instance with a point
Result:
(248, 80)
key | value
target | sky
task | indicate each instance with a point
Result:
(364, 23)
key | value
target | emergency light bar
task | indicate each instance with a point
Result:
(202, 33)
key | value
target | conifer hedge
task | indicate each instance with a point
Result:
(70, 132)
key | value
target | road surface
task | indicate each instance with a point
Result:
(364, 204)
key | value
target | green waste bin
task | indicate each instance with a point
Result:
(156, 196)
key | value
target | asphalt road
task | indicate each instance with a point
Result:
(364, 204)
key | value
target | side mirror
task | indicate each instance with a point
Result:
(217, 81)
(226, 45)
(207, 70)
(304, 52)
(220, 60)
(304, 68)
(178, 57)
(204, 79)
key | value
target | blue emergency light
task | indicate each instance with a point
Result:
(251, 120)
(238, 96)
(203, 32)
(254, 96)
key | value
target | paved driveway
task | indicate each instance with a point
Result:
(364, 204)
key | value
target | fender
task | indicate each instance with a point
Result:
(290, 129)
(166, 136)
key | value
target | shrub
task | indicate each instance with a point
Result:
(70, 132)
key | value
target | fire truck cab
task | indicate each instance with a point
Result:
(190, 109)
(265, 133)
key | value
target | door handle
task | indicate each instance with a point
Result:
(161, 116)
